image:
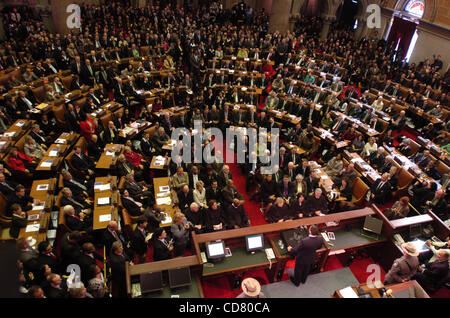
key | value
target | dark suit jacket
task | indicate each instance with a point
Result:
(74, 224)
(280, 190)
(382, 193)
(16, 224)
(5, 190)
(184, 201)
(117, 264)
(160, 251)
(237, 216)
(82, 164)
(138, 242)
(85, 261)
(305, 252)
(131, 207)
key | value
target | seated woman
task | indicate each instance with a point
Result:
(334, 166)
(215, 218)
(399, 210)
(326, 121)
(199, 194)
(20, 162)
(33, 149)
(300, 186)
(358, 144)
(279, 212)
(369, 148)
(135, 159)
(87, 126)
(298, 207)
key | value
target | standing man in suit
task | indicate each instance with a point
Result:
(117, 259)
(381, 189)
(162, 248)
(139, 239)
(305, 254)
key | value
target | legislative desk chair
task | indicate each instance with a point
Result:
(5, 221)
(359, 190)
(404, 180)
(58, 112)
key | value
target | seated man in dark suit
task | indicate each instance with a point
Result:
(285, 189)
(381, 189)
(79, 204)
(185, 197)
(317, 203)
(94, 149)
(434, 272)
(138, 192)
(213, 192)
(236, 216)
(80, 188)
(76, 222)
(6, 186)
(82, 163)
(229, 193)
(48, 257)
(133, 207)
(20, 197)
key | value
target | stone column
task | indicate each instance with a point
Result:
(2, 31)
(279, 18)
(361, 30)
(327, 20)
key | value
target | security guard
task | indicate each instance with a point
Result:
(404, 267)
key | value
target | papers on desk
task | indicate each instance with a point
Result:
(358, 159)
(110, 153)
(42, 187)
(46, 164)
(127, 130)
(102, 187)
(167, 220)
(164, 201)
(172, 142)
(348, 292)
(31, 240)
(51, 233)
(60, 141)
(2, 143)
(34, 217)
(324, 177)
(9, 134)
(20, 123)
(164, 188)
(53, 153)
(41, 106)
(103, 201)
(32, 228)
(104, 218)
(37, 207)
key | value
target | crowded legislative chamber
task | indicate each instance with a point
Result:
(100, 197)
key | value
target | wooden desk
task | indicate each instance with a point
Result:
(107, 160)
(55, 163)
(68, 138)
(351, 240)
(189, 261)
(329, 137)
(100, 211)
(42, 194)
(298, 150)
(159, 167)
(169, 209)
(361, 126)
(362, 166)
(17, 129)
(325, 181)
(409, 289)
(134, 129)
(112, 181)
(62, 150)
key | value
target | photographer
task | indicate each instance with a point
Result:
(180, 231)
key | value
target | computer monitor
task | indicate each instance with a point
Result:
(415, 231)
(215, 250)
(420, 245)
(254, 242)
(373, 225)
(151, 282)
(179, 277)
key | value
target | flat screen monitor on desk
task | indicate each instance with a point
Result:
(179, 277)
(215, 251)
(420, 245)
(254, 242)
(151, 282)
(415, 231)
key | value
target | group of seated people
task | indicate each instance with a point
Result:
(204, 195)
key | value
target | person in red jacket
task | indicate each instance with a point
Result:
(134, 158)
(19, 161)
(87, 127)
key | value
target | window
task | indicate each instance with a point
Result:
(415, 7)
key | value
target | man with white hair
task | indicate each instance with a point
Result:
(381, 188)
(317, 203)
(75, 222)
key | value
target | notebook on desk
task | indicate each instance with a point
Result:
(372, 227)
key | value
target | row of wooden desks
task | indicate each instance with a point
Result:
(105, 202)
(329, 137)
(361, 126)
(55, 154)
(362, 166)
